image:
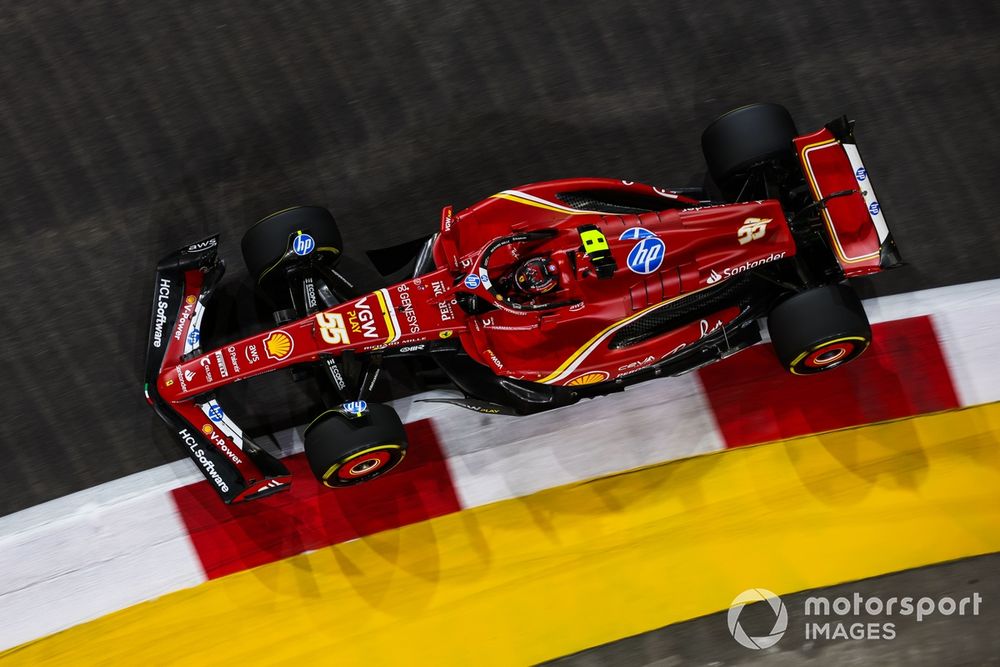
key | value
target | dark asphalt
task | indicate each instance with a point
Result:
(936, 641)
(130, 129)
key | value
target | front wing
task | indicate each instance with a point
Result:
(235, 467)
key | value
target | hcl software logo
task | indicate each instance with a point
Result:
(780, 618)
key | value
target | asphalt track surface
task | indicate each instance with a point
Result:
(938, 639)
(130, 130)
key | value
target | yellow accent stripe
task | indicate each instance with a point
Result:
(393, 334)
(526, 580)
(826, 216)
(531, 202)
(617, 325)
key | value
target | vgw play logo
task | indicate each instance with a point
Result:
(751, 596)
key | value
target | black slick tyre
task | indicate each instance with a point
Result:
(819, 329)
(344, 452)
(745, 137)
(267, 243)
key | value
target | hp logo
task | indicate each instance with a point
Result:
(861, 174)
(636, 233)
(646, 256)
(874, 208)
(472, 281)
(215, 413)
(356, 408)
(303, 245)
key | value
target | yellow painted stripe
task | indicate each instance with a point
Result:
(393, 334)
(524, 580)
(586, 347)
(537, 204)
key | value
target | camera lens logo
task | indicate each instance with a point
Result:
(780, 618)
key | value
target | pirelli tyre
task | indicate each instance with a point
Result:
(744, 137)
(345, 451)
(819, 329)
(302, 232)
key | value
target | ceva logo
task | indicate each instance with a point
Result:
(750, 596)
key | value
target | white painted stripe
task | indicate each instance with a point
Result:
(83, 556)
(494, 457)
(391, 307)
(115, 545)
(967, 321)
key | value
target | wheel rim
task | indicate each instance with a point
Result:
(364, 465)
(829, 355)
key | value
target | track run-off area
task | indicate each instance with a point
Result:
(617, 516)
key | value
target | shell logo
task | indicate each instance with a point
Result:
(191, 298)
(207, 429)
(588, 378)
(278, 345)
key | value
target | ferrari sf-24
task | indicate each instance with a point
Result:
(534, 298)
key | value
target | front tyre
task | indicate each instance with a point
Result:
(295, 234)
(819, 329)
(344, 452)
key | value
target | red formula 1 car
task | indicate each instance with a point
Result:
(536, 297)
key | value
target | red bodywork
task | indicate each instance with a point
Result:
(855, 223)
(702, 246)
(659, 257)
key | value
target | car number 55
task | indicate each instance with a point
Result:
(331, 327)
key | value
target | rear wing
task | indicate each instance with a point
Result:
(855, 222)
(234, 466)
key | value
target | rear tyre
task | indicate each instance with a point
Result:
(344, 452)
(745, 137)
(266, 244)
(819, 329)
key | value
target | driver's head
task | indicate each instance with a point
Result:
(536, 275)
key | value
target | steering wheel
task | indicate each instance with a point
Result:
(478, 281)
